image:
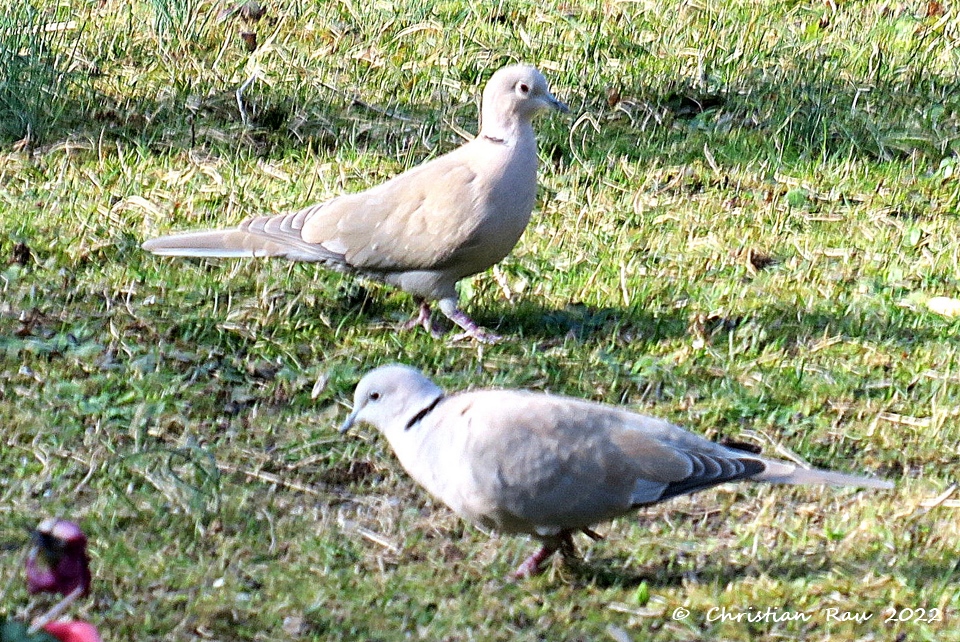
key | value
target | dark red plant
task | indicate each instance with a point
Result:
(73, 631)
(56, 563)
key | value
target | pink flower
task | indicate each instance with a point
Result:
(74, 631)
(57, 562)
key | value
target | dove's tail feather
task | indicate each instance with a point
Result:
(781, 472)
(210, 243)
(238, 243)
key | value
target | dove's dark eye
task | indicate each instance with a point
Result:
(374, 395)
(524, 88)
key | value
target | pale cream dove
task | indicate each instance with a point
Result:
(425, 229)
(548, 466)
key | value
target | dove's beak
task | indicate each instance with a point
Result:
(559, 106)
(348, 422)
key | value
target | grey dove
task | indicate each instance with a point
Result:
(549, 466)
(423, 230)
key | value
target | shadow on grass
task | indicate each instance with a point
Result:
(603, 573)
(781, 324)
(579, 322)
(610, 572)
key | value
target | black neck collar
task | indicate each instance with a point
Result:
(417, 418)
(495, 140)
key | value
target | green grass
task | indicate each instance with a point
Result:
(42, 72)
(737, 229)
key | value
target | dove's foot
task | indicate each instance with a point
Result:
(533, 565)
(567, 548)
(424, 319)
(592, 534)
(470, 328)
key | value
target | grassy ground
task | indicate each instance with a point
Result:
(738, 229)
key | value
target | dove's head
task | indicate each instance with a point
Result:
(517, 92)
(392, 398)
